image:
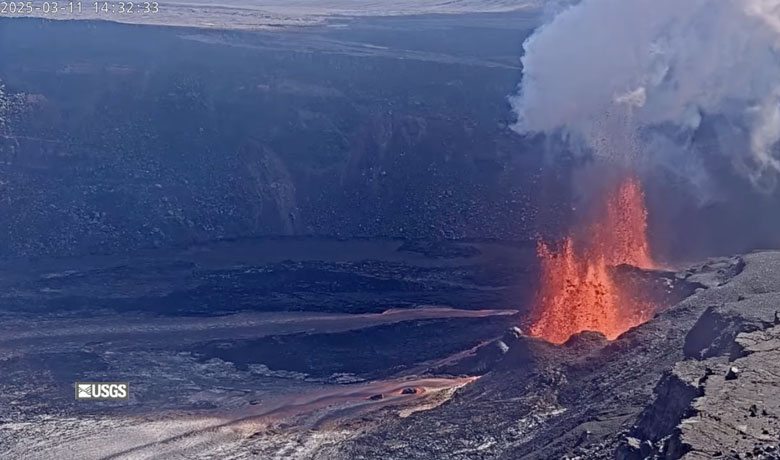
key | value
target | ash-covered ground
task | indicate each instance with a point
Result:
(290, 334)
(700, 380)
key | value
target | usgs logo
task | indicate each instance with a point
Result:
(102, 390)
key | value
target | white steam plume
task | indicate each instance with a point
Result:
(633, 80)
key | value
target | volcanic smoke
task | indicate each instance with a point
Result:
(578, 291)
(660, 73)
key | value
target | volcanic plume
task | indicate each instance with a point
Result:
(577, 290)
(658, 72)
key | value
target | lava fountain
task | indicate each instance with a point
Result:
(577, 290)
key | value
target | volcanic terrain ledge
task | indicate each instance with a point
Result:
(701, 380)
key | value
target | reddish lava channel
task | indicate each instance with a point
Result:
(577, 290)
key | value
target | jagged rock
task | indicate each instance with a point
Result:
(483, 359)
(633, 443)
(714, 272)
(718, 327)
(733, 373)
(673, 397)
(657, 392)
(512, 335)
(587, 340)
(723, 415)
(634, 449)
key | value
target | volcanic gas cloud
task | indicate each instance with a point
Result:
(665, 88)
(578, 291)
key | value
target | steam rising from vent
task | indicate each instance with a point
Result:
(633, 80)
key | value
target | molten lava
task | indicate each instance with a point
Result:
(577, 290)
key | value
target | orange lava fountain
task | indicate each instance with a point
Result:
(577, 290)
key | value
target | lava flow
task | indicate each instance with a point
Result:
(577, 289)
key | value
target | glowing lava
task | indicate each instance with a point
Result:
(577, 289)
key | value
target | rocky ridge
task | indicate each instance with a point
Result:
(700, 380)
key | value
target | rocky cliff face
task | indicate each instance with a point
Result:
(724, 399)
(701, 380)
(191, 137)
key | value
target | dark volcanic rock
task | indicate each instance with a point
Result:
(717, 329)
(586, 341)
(485, 357)
(439, 249)
(660, 391)
(279, 141)
(740, 415)
(674, 395)
(368, 353)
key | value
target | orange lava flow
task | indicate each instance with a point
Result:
(577, 290)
